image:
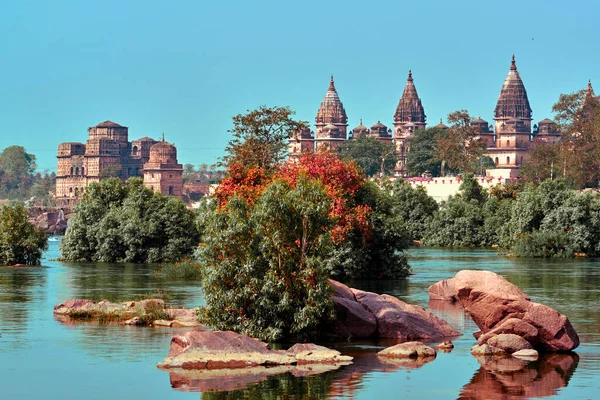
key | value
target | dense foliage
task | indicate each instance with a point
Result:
(118, 222)
(413, 206)
(20, 242)
(373, 156)
(264, 270)
(18, 179)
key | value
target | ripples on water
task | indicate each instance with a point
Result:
(41, 357)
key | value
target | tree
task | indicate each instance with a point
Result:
(16, 170)
(459, 147)
(118, 222)
(578, 115)
(263, 266)
(413, 206)
(20, 242)
(260, 137)
(422, 157)
(543, 163)
(372, 155)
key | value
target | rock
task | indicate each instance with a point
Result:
(352, 319)
(73, 305)
(162, 322)
(492, 301)
(509, 342)
(408, 350)
(446, 346)
(513, 326)
(341, 290)
(485, 350)
(133, 321)
(477, 334)
(468, 280)
(184, 324)
(399, 320)
(182, 314)
(526, 354)
(225, 349)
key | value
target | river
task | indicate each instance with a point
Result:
(43, 358)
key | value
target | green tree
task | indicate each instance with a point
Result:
(20, 242)
(459, 147)
(373, 156)
(118, 222)
(260, 137)
(423, 156)
(413, 206)
(263, 267)
(16, 171)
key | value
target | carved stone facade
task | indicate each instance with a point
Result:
(106, 153)
(509, 142)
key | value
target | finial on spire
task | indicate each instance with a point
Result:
(513, 64)
(331, 84)
(441, 121)
(410, 78)
(163, 136)
(361, 121)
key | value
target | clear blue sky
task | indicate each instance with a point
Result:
(185, 67)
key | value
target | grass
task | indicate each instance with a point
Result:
(185, 269)
(106, 317)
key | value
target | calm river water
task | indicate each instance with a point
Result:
(42, 358)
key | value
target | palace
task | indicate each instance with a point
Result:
(108, 152)
(508, 142)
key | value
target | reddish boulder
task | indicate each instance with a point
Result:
(352, 319)
(509, 342)
(408, 350)
(399, 320)
(493, 303)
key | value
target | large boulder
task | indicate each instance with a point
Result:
(408, 350)
(509, 342)
(497, 306)
(399, 320)
(352, 320)
(225, 349)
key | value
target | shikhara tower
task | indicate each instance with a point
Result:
(409, 116)
(331, 121)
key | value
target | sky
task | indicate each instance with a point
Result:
(186, 67)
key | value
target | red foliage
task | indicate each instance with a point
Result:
(341, 179)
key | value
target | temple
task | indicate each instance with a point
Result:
(509, 141)
(108, 153)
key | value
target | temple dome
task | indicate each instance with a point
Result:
(360, 130)
(163, 153)
(409, 107)
(513, 101)
(441, 125)
(331, 110)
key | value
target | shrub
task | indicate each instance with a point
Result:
(20, 242)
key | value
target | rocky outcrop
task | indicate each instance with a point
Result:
(225, 349)
(363, 315)
(144, 312)
(51, 221)
(499, 307)
(408, 350)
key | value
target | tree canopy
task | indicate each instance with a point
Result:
(116, 222)
(373, 156)
(422, 157)
(20, 242)
(260, 137)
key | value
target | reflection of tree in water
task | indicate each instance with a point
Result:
(281, 386)
(511, 378)
(125, 281)
(18, 289)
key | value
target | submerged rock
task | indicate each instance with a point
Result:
(225, 349)
(363, 315)
(408, 350)
(143, 312)
(499, 307)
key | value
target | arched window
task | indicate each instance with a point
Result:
(70, 190)
(508, 143)
(507, 160)
(497, 161)
(171, 190)
(77, 171)
(82, 170)
(71, 170)
(76, 192)
(135, 150)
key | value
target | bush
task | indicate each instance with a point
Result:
(263, 266)
(184, 269)
(118, 222)
(413, 206)
(20, 242)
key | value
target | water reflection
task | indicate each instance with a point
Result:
(19, 288)
(511, 378)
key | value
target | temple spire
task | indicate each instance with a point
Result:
(513, 101)
(331, 84)
(513, 65)
(409, 107)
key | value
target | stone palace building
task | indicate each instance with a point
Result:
(509, 140)
(108, 152)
